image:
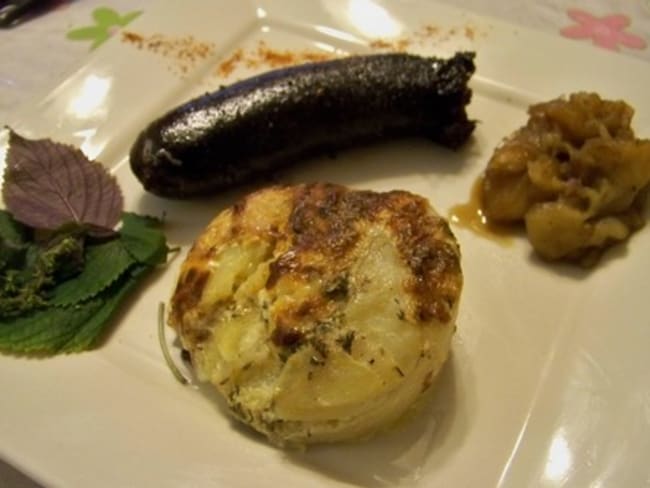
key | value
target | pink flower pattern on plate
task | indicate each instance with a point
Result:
(607, 32)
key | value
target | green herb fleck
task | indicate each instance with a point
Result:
(346, 340)
(337, 289)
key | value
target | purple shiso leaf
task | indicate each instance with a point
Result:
(48, 184)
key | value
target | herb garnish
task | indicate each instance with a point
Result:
(48, 185)
(64, 268)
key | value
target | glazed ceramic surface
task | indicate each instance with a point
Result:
(547, 384)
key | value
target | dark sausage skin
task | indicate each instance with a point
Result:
(263, 123)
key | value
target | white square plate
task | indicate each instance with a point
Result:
(547, 384)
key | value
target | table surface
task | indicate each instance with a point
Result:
(39, 53)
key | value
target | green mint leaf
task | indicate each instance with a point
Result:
(74, 328)
(104, 264)
(77, 310)
(12, 241)
(26, 281)
(87, 335)
(144, 239)
(10, 255)
(12, 231)
(45, 331)
(48, 184)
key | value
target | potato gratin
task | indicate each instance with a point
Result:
(320, 313)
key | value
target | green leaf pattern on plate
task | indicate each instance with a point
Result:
(107, 21)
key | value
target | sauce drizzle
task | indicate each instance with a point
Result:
(469, 215)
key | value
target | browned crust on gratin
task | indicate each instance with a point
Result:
(325, 220)
(316, 239)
